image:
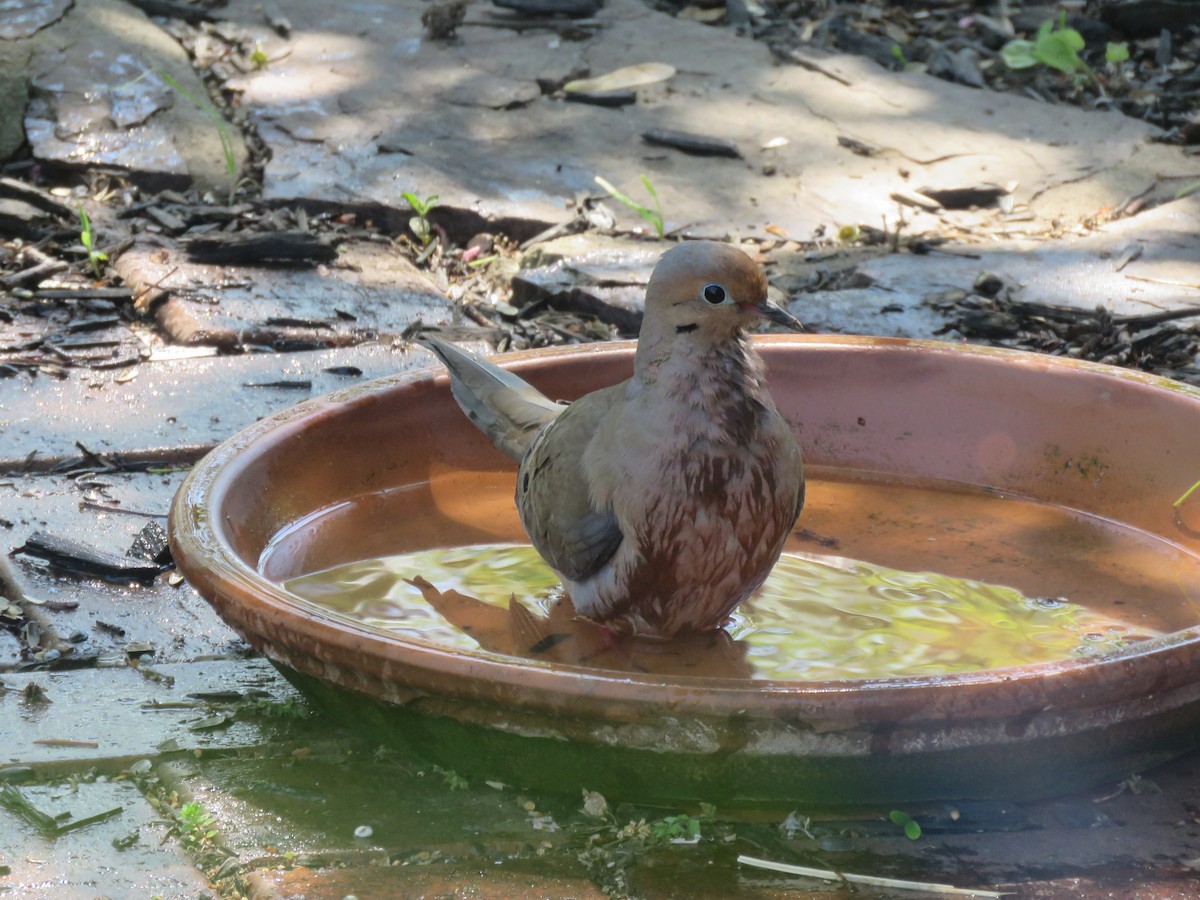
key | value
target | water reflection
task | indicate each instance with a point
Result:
(817, 617)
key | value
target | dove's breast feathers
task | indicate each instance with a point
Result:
(698, 471)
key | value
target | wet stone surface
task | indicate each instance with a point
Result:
(172, 410)
(112, 716)
(89, 621)
(128, 855)
(23, 18)
(100, 94)
(486, 881)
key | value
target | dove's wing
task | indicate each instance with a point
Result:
(553, 495)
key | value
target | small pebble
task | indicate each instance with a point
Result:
(835, 843)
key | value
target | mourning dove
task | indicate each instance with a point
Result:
(664, 501)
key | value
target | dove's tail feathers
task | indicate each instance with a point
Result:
(510, 411)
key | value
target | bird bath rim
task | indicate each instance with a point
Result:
(297, 634)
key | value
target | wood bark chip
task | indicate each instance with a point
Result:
(695, 144)
(574, 9)
(248, 248)
(83, 559)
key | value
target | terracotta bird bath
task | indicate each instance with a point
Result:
(1021, 437)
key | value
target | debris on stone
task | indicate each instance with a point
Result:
(249, 248)
(695, 144)
(84, 560)
(575, 9)
(442, 18)
(996, 312)
(151, 545)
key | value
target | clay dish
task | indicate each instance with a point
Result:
(1109, 443)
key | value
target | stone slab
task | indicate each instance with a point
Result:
(1085, 271)
(85, 863)
(98, 96)
(104, 707)
(173, 403)
(24, 18)
(475, 880)
(341, 132)
(310, 797)
(863, 290)
(372, 289)
(14, 96)
(103, 618)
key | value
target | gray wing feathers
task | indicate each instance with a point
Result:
(510, 411)
(588, 544)
(549, 439)
(553, 496)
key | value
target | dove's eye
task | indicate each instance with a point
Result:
(713, 293)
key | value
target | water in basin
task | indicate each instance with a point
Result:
(883, 579)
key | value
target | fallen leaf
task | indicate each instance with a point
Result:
(705, 16)
(622, 79)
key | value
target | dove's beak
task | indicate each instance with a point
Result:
(773, 312)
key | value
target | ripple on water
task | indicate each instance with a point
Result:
(816, 617)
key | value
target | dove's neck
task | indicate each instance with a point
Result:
(703, 385)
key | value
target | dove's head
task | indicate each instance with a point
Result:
(711, 289)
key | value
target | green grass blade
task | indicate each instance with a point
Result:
(214, 115)
(1183, 498)
(650, 215)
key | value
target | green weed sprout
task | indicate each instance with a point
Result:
(1116, 53)
(912, 830)
(653, 216)
(259, 58)
(205, 105)
(195, 825)
(1057, 48)
(681, 827)
(419, 224)
(95, 257)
